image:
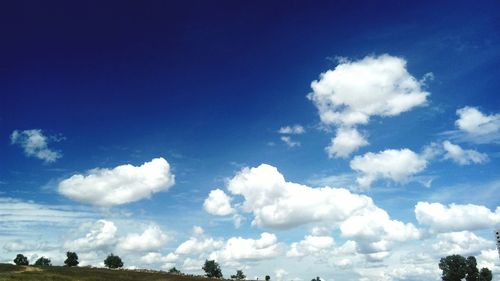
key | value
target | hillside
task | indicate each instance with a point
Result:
(59, 273)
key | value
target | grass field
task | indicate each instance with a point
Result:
(59, 273)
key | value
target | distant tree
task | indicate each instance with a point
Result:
(174, 270)
(472, 272)
(268, 278)
(43, 261)
(485, 274)
(21, 260)
(239, 275)
(212, 269)
(113, 261)
(316, 279)
(72, 259)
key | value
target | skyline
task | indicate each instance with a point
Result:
(349, 141)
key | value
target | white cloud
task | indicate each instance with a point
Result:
(479, 127)
(396, 165)
(151, 239)
(292, 130)
(463, 156)
(280, 274)
(35, 144)
(120, 185)
(100, 235)
(155, 257)
(463, 243)
(441, 218)
(241, 249)
(345, 142)
(354, 91)
(198, 245)
(311, 245)
(288, 141)
(218, 203)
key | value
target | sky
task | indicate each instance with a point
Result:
(350, 140)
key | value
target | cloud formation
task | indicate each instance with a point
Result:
(292, 130)
(151, 239)
(218, 203)
(440, 218)
(120, 185)
(354, 91)
(35, 144)
(345, 143)
(463, 156)
(396, 165)
(477, 126)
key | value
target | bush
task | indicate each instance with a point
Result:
(239, 275)
(43, 261)
(174, 270)
(21, 260)
(113, 261)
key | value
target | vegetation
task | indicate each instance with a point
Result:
(113, 261)
(65, 273)
(43, 261)
(316, 279)
(239, 275)
(268, 278)
(174, 270)
(72, 259)
(212, 269)
(21, 260)
(456, 267)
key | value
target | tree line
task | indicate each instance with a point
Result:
(454, 267)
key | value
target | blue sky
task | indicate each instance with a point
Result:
(374, 114)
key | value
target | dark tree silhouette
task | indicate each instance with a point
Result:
(113, 261)
(239, 275)
(485, 274)
(174, 270)
(212, 269)
(43, 261)
(72, 259)
(21, 260)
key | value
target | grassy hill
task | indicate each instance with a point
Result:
(59, 273)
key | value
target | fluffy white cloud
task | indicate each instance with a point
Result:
(396, 165)
(441, 218)
(100, 236)
(35, 144)
(463, 243)
(292, 130)
(356, 90)
(463, 156)
(151, 239)
(155, 257)
(218, 203)
(311, 245)
(479, 127)
(241, 249)
(276, 203)
(120, 185)
(345, 142)
(198, 245)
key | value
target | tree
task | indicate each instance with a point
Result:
(485, 275)
(113, 261)
(174, 270)
(472, 272)
(43, 261)
(72, 259)
(212, 269)
(239, 275)
(316, 279)
(21, 260)
(456, 267)
(268, 278)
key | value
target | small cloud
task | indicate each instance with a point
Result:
(288, 141)
(35, 144)
(292, 130)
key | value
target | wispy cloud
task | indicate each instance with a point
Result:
(35, 144)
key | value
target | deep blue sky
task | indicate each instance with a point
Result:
(207, 85)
